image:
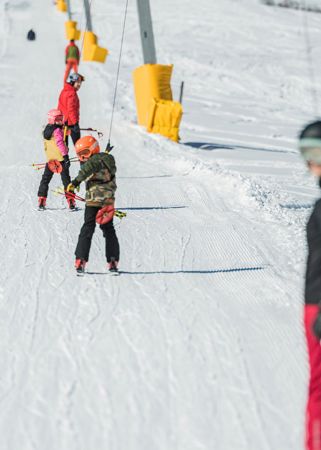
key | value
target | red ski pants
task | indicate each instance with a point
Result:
(70, 64)
(313, 410)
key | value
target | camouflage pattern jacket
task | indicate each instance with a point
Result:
(99, 173)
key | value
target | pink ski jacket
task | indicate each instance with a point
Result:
(59, 138)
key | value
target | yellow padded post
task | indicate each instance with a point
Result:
(90, 39)
(164, 118)
(98, 54)
(71, 30)
(151, 81)
(61, 5)
(91, 50)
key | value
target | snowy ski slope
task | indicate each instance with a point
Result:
(198, 344)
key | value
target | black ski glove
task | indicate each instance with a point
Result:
(316, 327)
(66, 161)
(75, 128)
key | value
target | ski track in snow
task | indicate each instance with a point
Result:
(198, 344)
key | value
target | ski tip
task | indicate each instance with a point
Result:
(114, 273)
(80, 273)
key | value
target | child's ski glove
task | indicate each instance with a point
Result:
(66, 162)
(71, 188)
(316, 327)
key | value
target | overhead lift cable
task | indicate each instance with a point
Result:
(109, 147)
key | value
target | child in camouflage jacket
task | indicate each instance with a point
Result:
(99, 172)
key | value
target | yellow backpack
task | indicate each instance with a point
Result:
(52, 151)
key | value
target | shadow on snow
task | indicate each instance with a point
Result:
(173, 272)
(147, 208)
(214, 146)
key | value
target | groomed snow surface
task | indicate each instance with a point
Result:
(198, 345)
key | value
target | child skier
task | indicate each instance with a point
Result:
(310, 147)
(55, 149)
(99, 172)
(69, 105)
(72, 56)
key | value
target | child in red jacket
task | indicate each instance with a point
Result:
(68, 104)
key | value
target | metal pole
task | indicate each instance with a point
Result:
(146, 31)
(88, 16)
(69, 10)
(181, 92)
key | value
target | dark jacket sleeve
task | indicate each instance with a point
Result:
(90, 167)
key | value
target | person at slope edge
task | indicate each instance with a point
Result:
(72, 56)
(69, 104)
(99, 172)
(56, 150)
(310, 148)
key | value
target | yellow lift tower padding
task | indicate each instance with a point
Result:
(98, 54)
(71, 30)
(164, 118)
(61, 5)
(151, 81)
(91, 50)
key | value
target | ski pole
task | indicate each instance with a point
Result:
(74, 196)
(39, 166)
(60, 191)
(100, 134)
(72, 159)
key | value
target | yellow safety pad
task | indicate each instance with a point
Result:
(61, 5)
(98, 54)
(91, 50)
(71, 30)
(151, 81)
(164, 118)
(52, 151)
(90, 39)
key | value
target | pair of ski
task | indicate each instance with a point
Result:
(81, 272)
(44, 208)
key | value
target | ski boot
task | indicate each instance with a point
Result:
(42, 203)
(112, 266)
(80, 266)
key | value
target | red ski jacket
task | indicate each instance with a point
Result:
(69, 104)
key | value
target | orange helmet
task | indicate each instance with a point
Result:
(86, 147)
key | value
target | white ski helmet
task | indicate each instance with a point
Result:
(310, 142)
(75, 77)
